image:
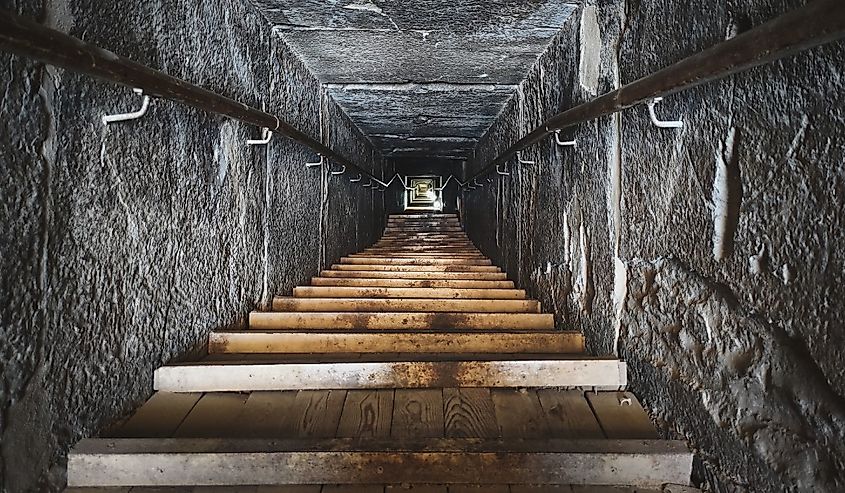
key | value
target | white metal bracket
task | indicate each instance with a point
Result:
(661, 123)
(123, 117)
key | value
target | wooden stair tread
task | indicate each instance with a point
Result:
(416, 268)
(397, 292)
(411, 283)
(377, 274)
(392, 342)
(224, 376)
(399, 320)
(405, 305)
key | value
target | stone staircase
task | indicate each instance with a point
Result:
(414, 365)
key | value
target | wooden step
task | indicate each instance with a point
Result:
(391, 342)
(399, 320)
(244, 377)
(411, 283)
(417, 268)
(202, 461)
(403, 305)
(395, 253)
(420, 261)
(380, 274)
(435, 293)
(430, 216)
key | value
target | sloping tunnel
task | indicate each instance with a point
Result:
(705, 252)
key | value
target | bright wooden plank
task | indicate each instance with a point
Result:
(399, 320)
(469, 413)
(419, 261)
(160, 462)
(569, 414)
(416, 268)
(212, 416)
(377, 274)
(366, 413)
(404, 305)
(159, 416)
(411, 283)
(221, 377)
(519, 413)
(390, 342)
(621, 415)
(417, 413)
(299, 488)
(434, 293)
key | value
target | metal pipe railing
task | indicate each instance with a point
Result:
(818, 23)
(25, 37)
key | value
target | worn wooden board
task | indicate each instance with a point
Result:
(399, 320)
(159, 462)
(519, 413)
(417, 413)
(375, 274)
(307, 342)
(411, 283)
(404, 305)
(469, 413)
(433, 293)
(366, 413)
(621, 415)
(160, 416)
(219, 377)
(413, 261)
(264, 414)
(315, 413)
(568, 414)
(211, 416)
(417, 268)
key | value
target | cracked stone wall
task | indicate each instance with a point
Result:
(709, 256)
(123, 246)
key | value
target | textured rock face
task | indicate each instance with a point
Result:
(706, 256)
(124, 245)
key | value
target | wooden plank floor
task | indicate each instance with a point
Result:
(400, 413)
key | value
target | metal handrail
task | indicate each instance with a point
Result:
(25, 37)
(819, 22)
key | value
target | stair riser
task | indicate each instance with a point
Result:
(466, 276)
(307, 343)
(404, 320)
(603, 374)
(404, 305)
(404, 261)
(411, 283)
(417, 268)
(188, 462)
(431, 293)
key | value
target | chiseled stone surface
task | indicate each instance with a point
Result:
(709, 256)
(412, 61)
(124, 245)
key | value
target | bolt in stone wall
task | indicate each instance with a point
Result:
(708, 257)
(124, 245)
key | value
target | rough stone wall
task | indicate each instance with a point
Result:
(709, 254)
(123, 246)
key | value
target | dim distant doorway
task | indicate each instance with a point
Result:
(423, 193)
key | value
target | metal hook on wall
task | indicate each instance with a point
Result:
(356, 180)
(342, 170)
(523, 161)
(503, 173)
(266, 135)
(122, 117)
(563, 143)
(661, 123)
(318, 163)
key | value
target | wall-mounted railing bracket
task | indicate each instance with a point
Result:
(658, 122)
(134, 115)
